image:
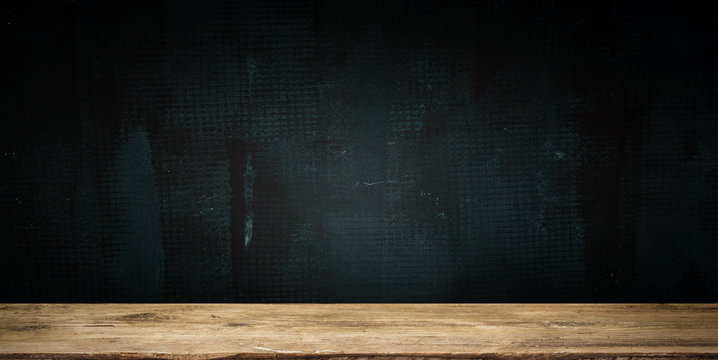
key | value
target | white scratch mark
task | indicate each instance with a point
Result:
(276, 351)
(248, 197)
(375, 183)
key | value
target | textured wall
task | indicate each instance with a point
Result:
(369, 151)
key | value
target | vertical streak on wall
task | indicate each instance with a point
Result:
(608, 118)
(248, 195)
(609, 211)
(240, 216)
(144, 271)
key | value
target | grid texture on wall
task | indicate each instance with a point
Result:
(324, 151)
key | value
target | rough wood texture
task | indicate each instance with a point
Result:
(350, 331)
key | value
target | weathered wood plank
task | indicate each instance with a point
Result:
(358, 331)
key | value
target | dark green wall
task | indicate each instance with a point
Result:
(299, 151)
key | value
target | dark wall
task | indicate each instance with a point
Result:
(423, 151)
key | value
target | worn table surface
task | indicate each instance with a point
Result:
(342, 331)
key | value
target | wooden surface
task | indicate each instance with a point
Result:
(346, 331)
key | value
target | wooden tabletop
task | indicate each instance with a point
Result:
(351, 331)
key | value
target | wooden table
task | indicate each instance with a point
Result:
(358, 331)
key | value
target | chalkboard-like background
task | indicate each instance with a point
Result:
(325, 151)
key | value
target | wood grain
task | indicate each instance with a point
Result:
(353, 331)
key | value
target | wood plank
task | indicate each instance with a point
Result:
(353, 331)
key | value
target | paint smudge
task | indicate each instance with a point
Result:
(248, 197)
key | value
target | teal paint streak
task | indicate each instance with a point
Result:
(141, 273)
